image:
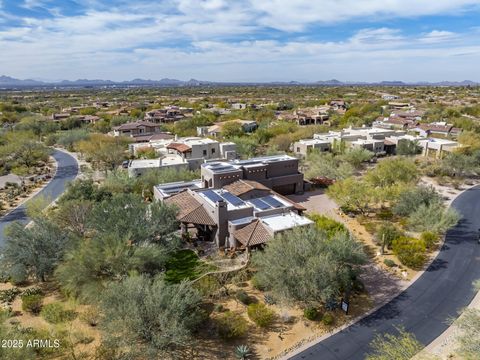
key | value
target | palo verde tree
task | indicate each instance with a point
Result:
(148, 317)
(315, 266)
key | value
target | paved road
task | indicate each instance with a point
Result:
(67, 170)
(423, 308)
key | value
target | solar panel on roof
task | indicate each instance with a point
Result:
(232, 199)
(212, 195)
(270, 200)
(259, 204)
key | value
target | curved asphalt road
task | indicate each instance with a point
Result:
(425, 307)
(67, 170)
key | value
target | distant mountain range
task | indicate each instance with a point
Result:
(9, 82)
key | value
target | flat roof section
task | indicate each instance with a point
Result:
(285, 221)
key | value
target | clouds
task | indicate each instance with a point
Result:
(234, 40)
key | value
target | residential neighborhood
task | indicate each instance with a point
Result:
(239, 180)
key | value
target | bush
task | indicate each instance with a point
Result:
(32, 291)
(386, 233)
(55, 313)
(429, 238)
(231, 325)
(389, 263)
(7, 296)
(327, 319)
(330, 226)
(310, 313)
(32, 303)
(410, 251)
(260, 314)
(243, 297)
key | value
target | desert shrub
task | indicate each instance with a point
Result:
(231, 325)
(32, 291)
(243, 297)
(310, 313)
(327, 319)
(433, 217)
(411, 199)
(386, 233)
(7, 296)
(330, 226)
(410, 251)
(55, 313)
(389, 263)
(32, 303)
(260, 314)
(429, 238)
(91, 316)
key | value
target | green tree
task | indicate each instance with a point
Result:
(103, 151)
(352, 194)
(433, 217)
(402, 346)
(327, 165)
(357, 156)
(87, 269)
(232, 129)
(149, 317)
(315, 267)
(128, 216)
(392, 171)
(408, 147)
(411, 199)
(37, 249)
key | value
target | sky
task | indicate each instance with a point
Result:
(241, 40)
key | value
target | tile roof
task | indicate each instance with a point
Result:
(183, 148)
(254, 233)
(190, 210)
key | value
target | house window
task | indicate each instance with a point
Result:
(213, 151)
(204, 152)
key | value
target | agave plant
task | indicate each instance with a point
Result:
(242, 352)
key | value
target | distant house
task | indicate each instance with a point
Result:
(188, 153)
(216, 129)
(389, 97)
(165, 116)
(338, 105)
(89, 119)
(437, 128)
(137, 128)
(60, 116)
